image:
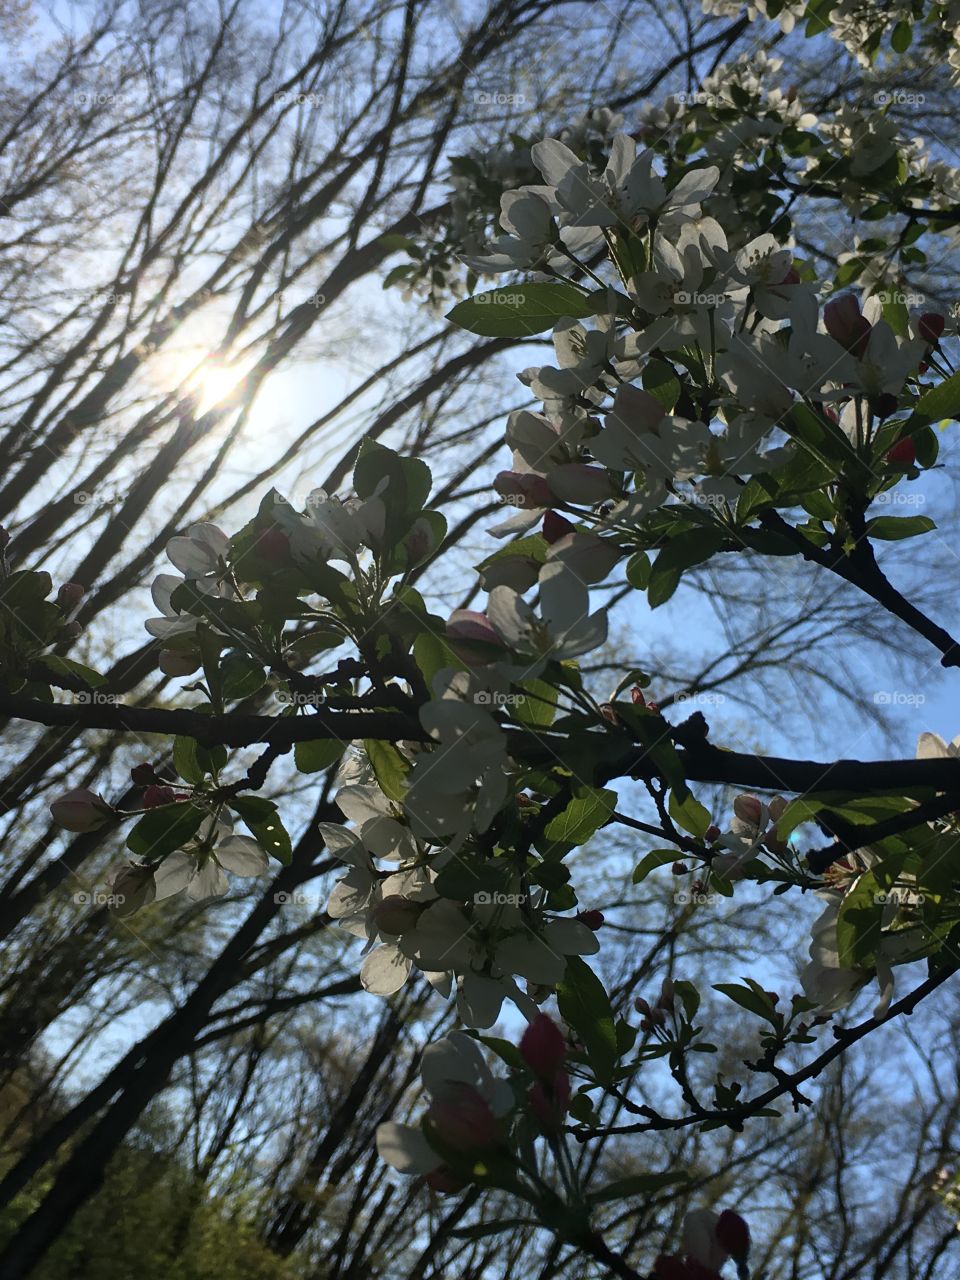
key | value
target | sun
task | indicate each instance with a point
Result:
(214, 380)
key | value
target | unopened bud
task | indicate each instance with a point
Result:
(679, 869)
(274, 546)
(556, 526)
(748, 809)
(665, 999)
(543, 1047)
(154, 796)
(141, 775)
(549, 1101)
(712, 833)
(445, 1181)
(930, 327)
(592, 919)
(641, 1006)
(733, 1234)
(69, 595)
(71, 631)
(463, 1119)
(903, 453)
(80, 810)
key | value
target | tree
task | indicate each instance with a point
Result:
(707, 409)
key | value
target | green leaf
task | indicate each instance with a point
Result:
(748, 998)
(894, 528)
(263, 822)
(314, 757)
(901, 38)
(587, 811)
(689, 814)
(660, 380)
(683, 551)
(650, 861)
(59, 666)
(938, 403)
(242, 675)
(585, 1005)
(390, 766)
(520, 311)
(164, 829)
(539, 705)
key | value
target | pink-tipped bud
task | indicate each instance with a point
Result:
(549, 1102)
(71, 631)
(80, 810)
(903, 453)
(463, 1119)
(930, 327)
(733, 1234)
(142, 775)
(700, 1240)
(69, 595)
(154, 796)
(845, 324)
(679, 869)
(175, 663)
(665, 999)
(472, 638)
(543, 1047)
(712, 833)
(642, 1006)
(748, 809)
(593, 919)
(395, 914)
(555, 527)
(636, 696)
(522, 489)
(445, 1181)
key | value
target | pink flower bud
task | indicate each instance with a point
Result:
(636, 696)
(679, 869)
(733, 1234)
(593, 919)
(903, 453)
(154, 796)
(576, 482)
(141, 775)
(665, 999)
(748, 809)
(173, 662)
(712, 833)
(472, 637)
(930, 326)
(80, 810)
(69, 595)
(549, 1103)
(462, 1118)
(642, 1006)
(543, 1047)
(555, 527)
(395, 914)
(523, 489)
(843, 319)
(71, 631)
(445, 1181)
(777, 807)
